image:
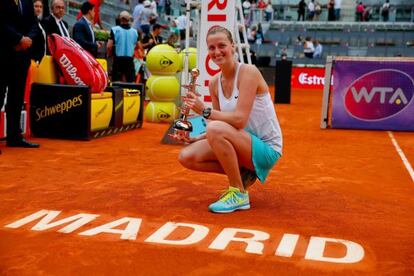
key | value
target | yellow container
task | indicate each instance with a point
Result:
(101, 110)
(103, 63)
(46, 72)
(132, 105)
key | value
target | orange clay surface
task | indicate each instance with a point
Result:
(343, 184)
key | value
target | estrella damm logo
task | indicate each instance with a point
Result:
(162, 115)
(379, 94)
(165, 62)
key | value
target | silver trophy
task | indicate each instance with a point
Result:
(183, 127)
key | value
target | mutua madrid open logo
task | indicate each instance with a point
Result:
(379, 94)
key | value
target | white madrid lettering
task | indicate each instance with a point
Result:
(253, 240)
(160, 236)
(316, 249)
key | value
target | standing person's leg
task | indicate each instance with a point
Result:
(129, 69)
(15, 96)
(3, 86)
(116, 70)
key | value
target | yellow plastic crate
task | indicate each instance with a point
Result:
(101, 110)
(132, 104)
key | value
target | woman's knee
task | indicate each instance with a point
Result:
(216, 130)
(186, 158)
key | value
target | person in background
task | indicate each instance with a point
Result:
(318, 49)
(146, 16)
(261, 4)
(181, 25)
(247, 9)
(318, 10)
(311, 10)
(153, 38)
(259, 34)
(337, 8)
(251, 34)
(83, 30)
(97, 13)
(139, 60)
(154, 7)
(38, 49)
(38, 9)
(54, 23)
(121, 46)
(172, 40)
(331, 10)
(243, 139)
(18, 28)
(161, 7)
(168, 7)
(301, 10)
(269, 11)
(308, 47)
(360, 12)
(366, 15)
(174, 27)
(136, 16)
(385, 11)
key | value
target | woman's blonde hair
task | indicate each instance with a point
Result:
(219, 29)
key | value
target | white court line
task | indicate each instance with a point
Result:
(402, 155)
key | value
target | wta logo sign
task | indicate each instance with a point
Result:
(379, 94)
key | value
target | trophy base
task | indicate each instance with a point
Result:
(181, 134)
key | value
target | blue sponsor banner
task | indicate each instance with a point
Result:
(373, 95)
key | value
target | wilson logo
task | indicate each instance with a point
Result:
(70, 69)
(379, 94)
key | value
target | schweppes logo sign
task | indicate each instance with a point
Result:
(59, 108)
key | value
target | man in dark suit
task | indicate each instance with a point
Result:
(54, 23)
(38, 48)
(83, 30)
(18, 27)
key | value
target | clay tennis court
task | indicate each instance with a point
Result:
(341, 185)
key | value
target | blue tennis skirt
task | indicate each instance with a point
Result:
(264, 157)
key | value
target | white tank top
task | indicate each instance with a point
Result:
(263, 122)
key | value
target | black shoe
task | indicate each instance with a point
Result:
(21, 144)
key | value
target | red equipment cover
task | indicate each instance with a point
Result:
(76, 64)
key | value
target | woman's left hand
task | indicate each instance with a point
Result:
(193, 102)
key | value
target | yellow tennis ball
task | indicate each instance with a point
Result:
(192, 58)
(162, 59)
(162, 88)
(160, 112)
